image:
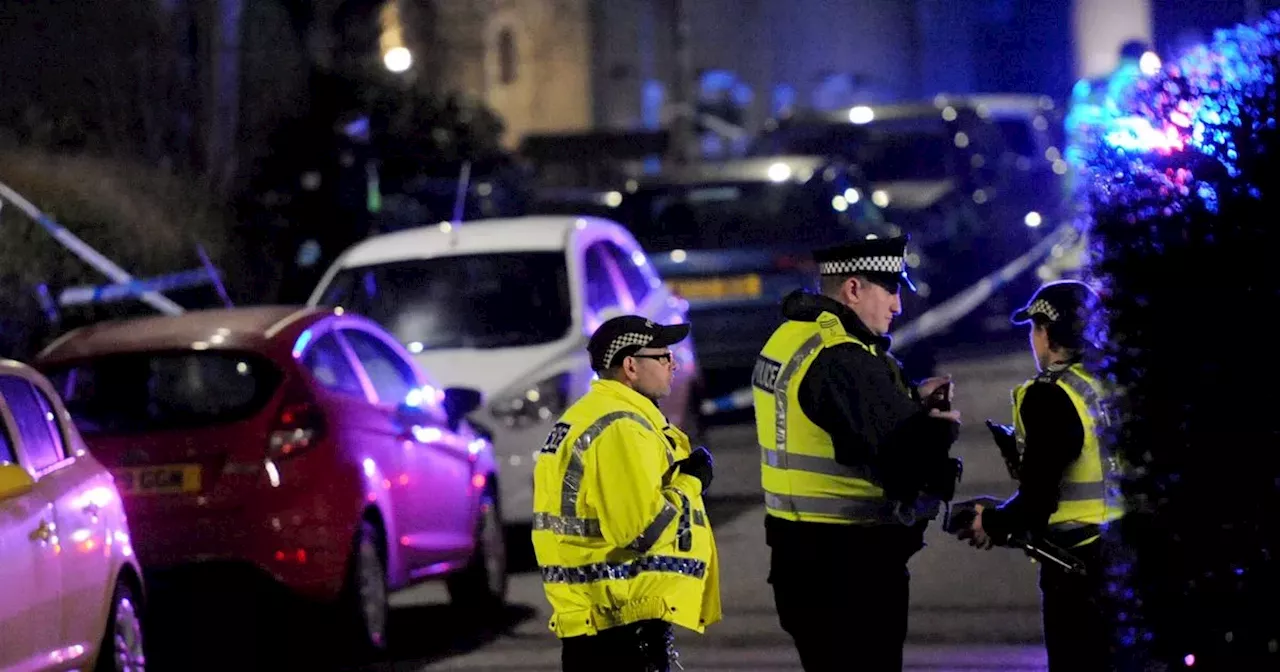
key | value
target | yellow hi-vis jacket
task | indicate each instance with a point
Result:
(802, 480)
(620, 535)
(1089, 494)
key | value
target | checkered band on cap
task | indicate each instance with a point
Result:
(880, 264)
(623, 341)
(1042, 307)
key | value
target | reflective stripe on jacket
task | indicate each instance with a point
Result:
(801, 478)
(619, 533)
(1089, 494)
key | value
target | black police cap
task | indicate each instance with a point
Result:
(882, 259)
(622, 336)
(1055, 302)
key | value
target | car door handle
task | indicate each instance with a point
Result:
(43, 532)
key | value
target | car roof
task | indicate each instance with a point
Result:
(1011, 104)
(252, 327)
(754, 169)
(1001, 105)
(517, 234)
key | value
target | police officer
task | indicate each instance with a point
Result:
(853, 463)
(1067, 490)
(620, 530)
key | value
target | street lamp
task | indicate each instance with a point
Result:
(397, 59)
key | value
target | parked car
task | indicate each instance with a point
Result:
(73, 595)
(733, 238)
(304, 443)
(976, 180)
(507, 306)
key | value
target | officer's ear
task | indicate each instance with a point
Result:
(618, 371)
(854, 288)
(628, 370)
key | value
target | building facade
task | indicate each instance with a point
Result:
(565, 65)
(527, 59)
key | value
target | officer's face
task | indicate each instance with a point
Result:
(1040, 344)
(875, 304)
(652, 370)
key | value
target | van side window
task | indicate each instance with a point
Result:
(601, 293)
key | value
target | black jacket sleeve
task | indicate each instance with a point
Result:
(1055, 437)
(853, 396)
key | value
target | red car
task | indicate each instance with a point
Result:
(303, 442)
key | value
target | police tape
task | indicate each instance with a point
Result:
(84, 252)
(935, 319)
(957, 307)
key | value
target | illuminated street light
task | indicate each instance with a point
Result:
(397, 59)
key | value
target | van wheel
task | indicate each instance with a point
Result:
(122, 649)
(482, 585)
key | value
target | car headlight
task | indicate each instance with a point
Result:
(537, 403)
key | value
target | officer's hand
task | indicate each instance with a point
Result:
(978, 537)
(953, 416)
(698, 465)
(929, 385)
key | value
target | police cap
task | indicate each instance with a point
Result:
(881, 260)
(1059, 302)
(622, 336)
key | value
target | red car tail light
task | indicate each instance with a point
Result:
(299, 424)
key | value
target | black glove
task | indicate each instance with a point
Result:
(698, 465)
(963, 513)
(1003, 436)
(1007, 442)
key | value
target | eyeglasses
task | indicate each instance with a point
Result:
(665, 357)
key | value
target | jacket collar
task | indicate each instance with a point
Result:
(634, 400)
(804, 306)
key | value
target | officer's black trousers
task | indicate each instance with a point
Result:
(845, 604)
(638, 647)
(1074, 613)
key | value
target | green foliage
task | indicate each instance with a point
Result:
(145, 220)
(1184, 243)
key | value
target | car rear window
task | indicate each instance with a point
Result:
(142, 392)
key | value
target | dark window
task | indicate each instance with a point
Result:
(38, 435)
(55, 425)
(7, 453)
(328, 363)
(635, 278)
(507, 56)
(147, 392)
(392, 377)
(601, 293)
(465, 301)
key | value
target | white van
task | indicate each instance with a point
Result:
(506, 307)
